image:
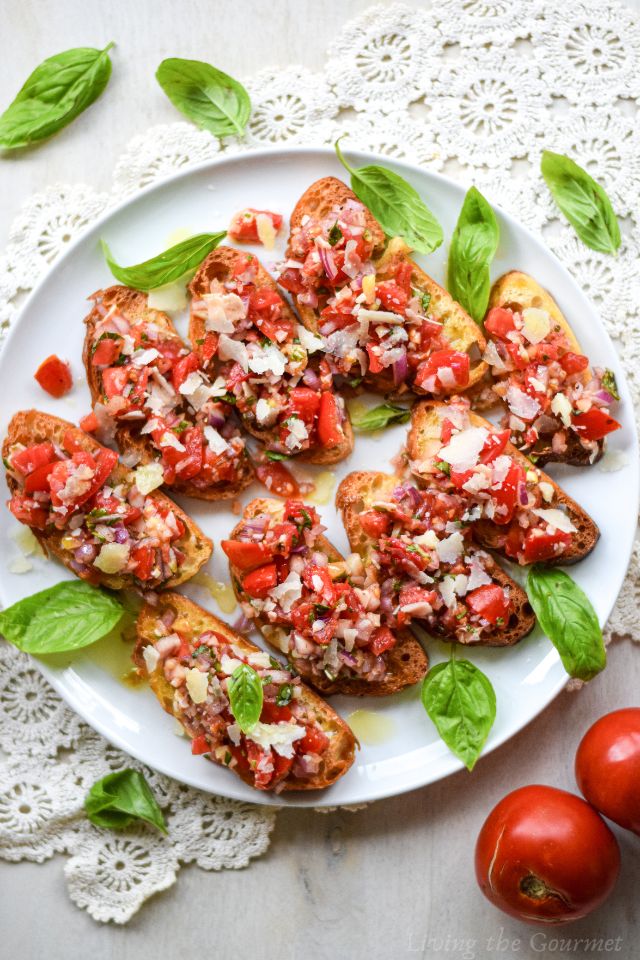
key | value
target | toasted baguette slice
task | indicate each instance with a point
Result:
(133, 305)
(30, 427)
(423, 446)
(461, 331)
(191, 622)
(406, 662)
(516, 291)
(359, 490)
(218, 266)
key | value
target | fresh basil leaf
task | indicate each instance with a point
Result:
(335, 234)
(245, 696)
(121, 798)
(274, 455)
(212, 99)
(57, 91)
(461, 702)
(610, 384)
(473, 247)
(66, 617)
(167, 266)
(565, 614)
(379, 417)
(583, 201)
(395, 204)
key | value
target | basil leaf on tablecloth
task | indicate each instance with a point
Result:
(245, 696)
(57, 91)
(121, 798)
(395, 204)
(583, 201)
(379, 417)
(565, 614)
(60, 619)
(461, 702)
(209, 97)
(473, 247)
(167, 266)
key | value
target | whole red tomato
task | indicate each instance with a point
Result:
(545, 856)
(608, 767)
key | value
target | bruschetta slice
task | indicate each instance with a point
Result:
(558, 407)
(380, 315)
(513, 506)
(148, 391)
(189, 656)
(320, 609)
(246, 334)
(106, 523)
(430, 571)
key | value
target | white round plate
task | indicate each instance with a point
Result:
(201, 199)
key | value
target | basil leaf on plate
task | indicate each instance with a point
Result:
(565, 614)
(610, 384)
(66, 617)
(121, 798)
(395, 204)
(212, 99)
(245, 696)
(461, 702)
(473, 247)
(379, 417)
(57, 91)
(583, 201)
(167, 266)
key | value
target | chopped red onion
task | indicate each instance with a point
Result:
(86, 553)
(400, 369)
(311, 379)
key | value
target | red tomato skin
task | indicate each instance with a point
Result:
(329, 428)
(541, 833)
(277, 479)
(608, 767)
(54, 376)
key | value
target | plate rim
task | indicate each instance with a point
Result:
(450, 764)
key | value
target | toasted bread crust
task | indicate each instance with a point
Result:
(30, 427)
(407, 662)
(423, 439)
(133, 304)
(192, 619)
(360, 489)
(516, 290)
(218, 266)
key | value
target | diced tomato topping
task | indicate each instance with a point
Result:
(182, 368)
(236, 376)
(209, 347)
(106, 351)
(404, 272)
(330, 431)
(539, 545)
(392, 296)
(381, 641)
(54, 376)
(28, 511)
(375, 523)
(143, 558)
(499, 322)
(265, 309)
(272, 713)
(447, 430)
(258, 583)
(459, 477)
(594, 424)
(302, 616)
(340, 313)
(314, 741)
(281, 766)
(199, 745)
(374, 358)
(489, 602)
(318, 580)
(89, 423)
(439, 360)
(244, 225)
(305, 403)
(494, 445)
(246, 555)
(277, 479)
(114, 380)
(506, 496)
(27, 460)
(573, 362)
(38, 479)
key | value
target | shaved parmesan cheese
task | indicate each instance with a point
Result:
(521, 404)
(266, 412)
(555, 518)
(288, 592)
(561, 406)
(113, 557)
(379, 316)
(190, 384)
(267, 360)
(229, 349)
(143, 357)
(224, 311)
(169, 439)
(149, 477)
(546, 489)
(537, 324)
(493, 358)
(450, 548)
(427, 539)
(229, 664)
(151, 658)
(447, 592)
(464, 448)
(217, 443)
(266, 231)
(281, 736)
(478, 576)
(369, 287)
(197, 683)
(298, 433)
(308, 340)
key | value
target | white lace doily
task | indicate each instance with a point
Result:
(477, 88)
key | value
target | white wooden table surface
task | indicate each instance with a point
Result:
(396, 879)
